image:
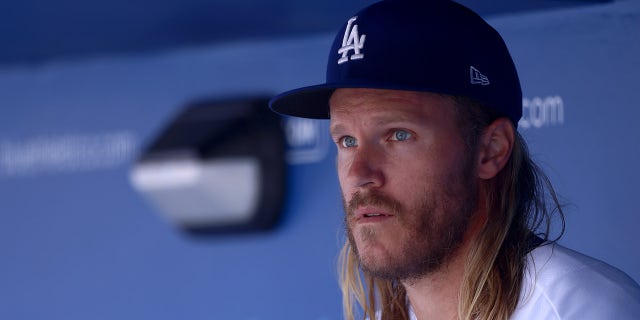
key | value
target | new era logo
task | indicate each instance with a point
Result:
(351, 41)
(477, 77)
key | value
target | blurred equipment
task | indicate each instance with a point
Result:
(219, 166)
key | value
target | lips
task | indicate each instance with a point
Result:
(368, 213)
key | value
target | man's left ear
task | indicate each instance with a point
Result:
(495, 148)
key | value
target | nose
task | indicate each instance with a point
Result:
(365, 168)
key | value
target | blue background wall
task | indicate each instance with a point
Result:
(77, 242)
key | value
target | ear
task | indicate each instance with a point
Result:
(495, 148)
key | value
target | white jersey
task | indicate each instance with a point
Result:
(561, 284)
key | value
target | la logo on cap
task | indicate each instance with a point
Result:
(351, 41)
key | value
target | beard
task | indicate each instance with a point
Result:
(432, 229)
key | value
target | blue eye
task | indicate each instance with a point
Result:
(348, 142)
(400, 135)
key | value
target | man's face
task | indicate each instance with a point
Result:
(407, 181)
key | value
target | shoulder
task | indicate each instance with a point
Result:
(560, 283)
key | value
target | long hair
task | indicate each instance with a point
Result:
(521, 204)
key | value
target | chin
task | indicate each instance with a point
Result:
(374, 255)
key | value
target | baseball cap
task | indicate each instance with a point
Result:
(429, 46)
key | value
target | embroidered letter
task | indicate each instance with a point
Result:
(351, 41)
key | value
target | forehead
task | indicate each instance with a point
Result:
(364, 103)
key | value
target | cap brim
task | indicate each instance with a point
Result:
(313, 101)
(307, 102)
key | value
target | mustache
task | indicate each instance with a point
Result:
(371, 198)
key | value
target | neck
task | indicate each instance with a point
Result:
(436, 296)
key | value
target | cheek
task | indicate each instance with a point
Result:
(417, 173)
(343, 165)
(412, 166)
(430, 160)
(340, 169)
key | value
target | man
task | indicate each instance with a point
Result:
(447, 217)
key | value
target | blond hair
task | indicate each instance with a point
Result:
(520, 203)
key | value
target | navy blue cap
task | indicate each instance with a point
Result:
(429, 46)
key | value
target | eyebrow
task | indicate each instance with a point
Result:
(335, 129)
(377, 121)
